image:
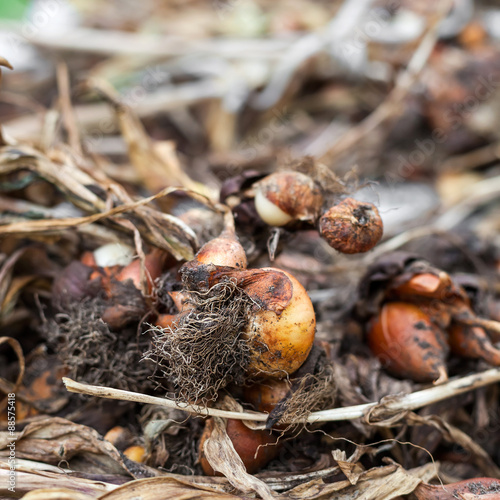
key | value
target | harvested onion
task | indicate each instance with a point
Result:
(265, 395)
(351, 226)
(256, 448)
(225, 250)
(408, 343)
(283, 197)
(281, 332)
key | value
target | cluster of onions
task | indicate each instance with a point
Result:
(426, 316)
(278, 333)
(281, 329)
(286, 198)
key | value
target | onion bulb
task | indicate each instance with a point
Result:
(281, 332)
(429, 285)
(287, 196)
(153, 265)
(255, 447)
(225, 250)
(472, 342)
(265, 395)
(408, 344)
(351, 226)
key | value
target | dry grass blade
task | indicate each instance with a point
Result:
(69, 179)
(67, 109)
(43, 485)
(51, 440)
(109, 393)
(162, 230)
(6, 276)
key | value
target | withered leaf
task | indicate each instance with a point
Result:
(220, 453)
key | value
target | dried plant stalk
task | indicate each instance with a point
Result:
(396, 404)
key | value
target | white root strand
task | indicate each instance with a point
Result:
(402, 403)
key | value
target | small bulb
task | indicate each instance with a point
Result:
(351, 226)
(408, 344)
(283, 197)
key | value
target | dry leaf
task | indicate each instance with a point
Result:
(351, 470)
(57, 494)
(38, 481)
(221, 455)
(160, 229)
(167, 488)
(51, 440)
(379, 483)
(16, 346)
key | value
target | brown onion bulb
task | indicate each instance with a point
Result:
(265, 395)
(426, 285)
(351, 226)
(408, 343)
(246, 442)
(287, 196)
(281, 332)
(473, 342)
(225, 250)
(153, 264)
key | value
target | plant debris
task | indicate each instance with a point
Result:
(249, 249)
